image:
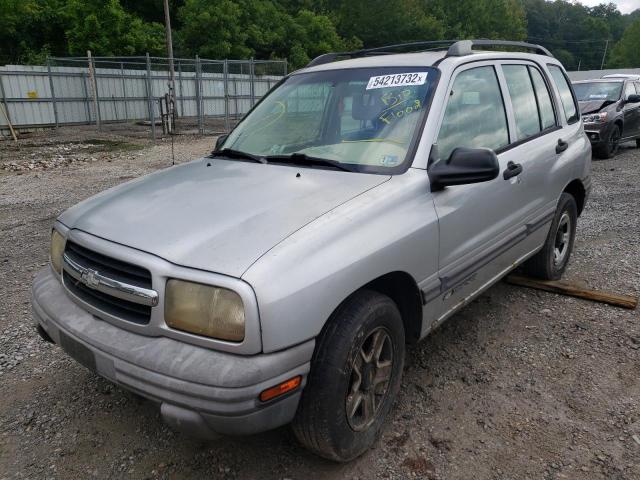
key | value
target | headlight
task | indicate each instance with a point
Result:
(57, 249)
(204, 310)
(595, 118)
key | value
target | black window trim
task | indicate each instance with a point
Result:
(527, 62)
(541, 133)
(454, 76)
(549, 91)
(573, 94)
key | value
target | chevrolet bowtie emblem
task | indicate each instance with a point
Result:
(90, 278)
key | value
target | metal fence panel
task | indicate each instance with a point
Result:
(61, 92)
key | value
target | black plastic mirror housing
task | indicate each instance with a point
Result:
(220, 141)
(464, 166)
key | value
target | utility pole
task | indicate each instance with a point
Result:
(172, 72)
(604, 54)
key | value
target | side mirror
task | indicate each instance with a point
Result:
(220, 141)
(464, 166)
(633, 98)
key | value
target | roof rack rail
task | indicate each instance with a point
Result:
(457, 48)
(465, 47)
(333, 56)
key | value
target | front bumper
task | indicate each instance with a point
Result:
(200, 391)
(598, 133)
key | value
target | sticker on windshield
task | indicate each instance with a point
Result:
(397, 80)
(598, 96)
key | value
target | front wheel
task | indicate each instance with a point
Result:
(610, 147)
(551, 262)
(355, 377)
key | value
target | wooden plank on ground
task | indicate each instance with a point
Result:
(564, 288)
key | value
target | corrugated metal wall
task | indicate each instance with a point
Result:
(40, 96)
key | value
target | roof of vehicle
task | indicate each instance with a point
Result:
(427, 54)
(623, 76)
(601, 80)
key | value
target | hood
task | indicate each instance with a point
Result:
(219, 218)
(592, 106)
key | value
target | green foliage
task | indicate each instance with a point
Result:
(627, 50)
(384, 22)
(497, 19)
(254, 28)
(577, 34)
(105, 28)
(299, 30)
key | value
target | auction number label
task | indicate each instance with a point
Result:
(397, 80)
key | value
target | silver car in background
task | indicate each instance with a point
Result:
(362, 202)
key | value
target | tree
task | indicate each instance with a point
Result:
(105, 28)
(260, 28)
(384, 22)
(626, 52)
(498, 19)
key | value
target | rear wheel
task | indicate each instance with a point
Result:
(551, 262)
(609, 148)
(355, 377)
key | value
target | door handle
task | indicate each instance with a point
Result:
(562, 146)
(512, 170)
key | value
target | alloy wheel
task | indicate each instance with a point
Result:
(370, 376)
(563, 239)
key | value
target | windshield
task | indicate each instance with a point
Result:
(598, 91)
(364, 118)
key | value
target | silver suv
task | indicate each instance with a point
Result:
(359, 204)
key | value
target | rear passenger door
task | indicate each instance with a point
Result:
(537, 140)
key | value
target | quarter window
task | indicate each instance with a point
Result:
(523, 100)
(475, 115)
(568, 103)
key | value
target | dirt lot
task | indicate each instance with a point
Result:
(520, 384)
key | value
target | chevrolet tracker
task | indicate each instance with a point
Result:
(360, 203)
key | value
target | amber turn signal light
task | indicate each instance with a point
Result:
(280, 389)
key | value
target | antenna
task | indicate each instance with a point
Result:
(171, 121)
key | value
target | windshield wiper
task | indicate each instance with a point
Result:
(230, 153)
(304, 159)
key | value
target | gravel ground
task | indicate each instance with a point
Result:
(519, 384)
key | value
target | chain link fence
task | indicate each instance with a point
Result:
(210, 95)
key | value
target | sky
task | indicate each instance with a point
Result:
(625, 6)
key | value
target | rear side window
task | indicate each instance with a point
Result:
(547, 115)
(568, 103)
(523, 100)
(475, 116)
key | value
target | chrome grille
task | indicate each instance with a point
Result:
(109, 285)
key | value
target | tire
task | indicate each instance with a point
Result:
(338, 369)
(551, 262)
(638, 142)
(610, 147)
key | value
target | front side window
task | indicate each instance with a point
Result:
(568, 103)
(598, 91)
(364, 118)
(629, 89)
(475, 115)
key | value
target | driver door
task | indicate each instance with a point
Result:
(479, 223)
(631, 113)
